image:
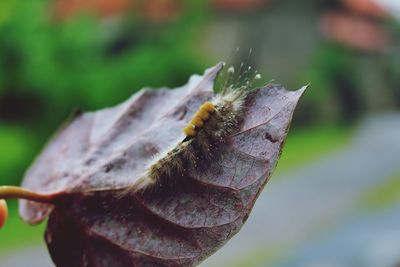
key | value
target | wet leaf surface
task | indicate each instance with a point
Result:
(99, 154)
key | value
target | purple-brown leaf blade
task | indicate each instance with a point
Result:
(100, 154)
(110, 148)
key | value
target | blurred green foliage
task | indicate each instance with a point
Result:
(333, 72)
(18, 147)
(304, 145)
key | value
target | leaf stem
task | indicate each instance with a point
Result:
(19, 192)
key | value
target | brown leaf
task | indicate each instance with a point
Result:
(99, 154)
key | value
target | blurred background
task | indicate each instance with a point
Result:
(334, 199)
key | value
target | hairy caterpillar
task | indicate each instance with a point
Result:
(212, 123)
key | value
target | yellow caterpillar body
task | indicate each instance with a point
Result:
(202, 115)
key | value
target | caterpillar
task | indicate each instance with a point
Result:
(206, 131)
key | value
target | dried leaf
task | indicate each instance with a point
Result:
(99, 154)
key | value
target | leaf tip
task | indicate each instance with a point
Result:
(303, 89)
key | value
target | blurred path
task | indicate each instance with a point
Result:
(297, 206)
(369, 241)
(28, 257)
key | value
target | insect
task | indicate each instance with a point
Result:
(206, 131)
